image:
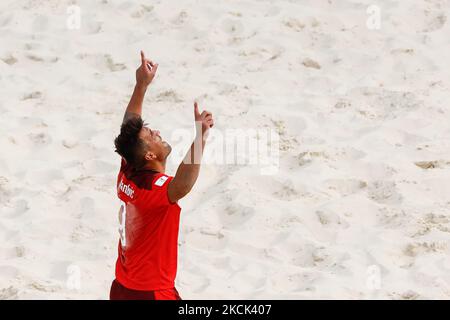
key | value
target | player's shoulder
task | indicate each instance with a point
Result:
(161, 180)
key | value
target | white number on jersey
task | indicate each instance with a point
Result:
(122, 222)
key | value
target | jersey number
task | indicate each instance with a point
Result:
(122, 222)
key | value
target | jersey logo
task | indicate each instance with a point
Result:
(126, 188)
(161, 181)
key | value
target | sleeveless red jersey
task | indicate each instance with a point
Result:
(148, 245)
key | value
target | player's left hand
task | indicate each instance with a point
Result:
(204, 121)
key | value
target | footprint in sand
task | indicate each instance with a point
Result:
(433, 221)
(236, 214)
(142, 11)
(407, 295)
(93, 27)
(232, 27)
(434, 21)
(9, 59)
(309, 63)
(32, 95)
(294, 24)
(181, 18)
(384, 192)
(9, 293)
(331, 219)
(44, 286)
(34, 57)
(432, 164)
(381, 104)
(301, 281)
(113, 66)
(234, 210)
(19, 251)
(310, 255)
(11, 253)
(287, 191)
(345, 186)
(304, 158)
(101, 62)
(40, 139)
(393, 218)
(69, 143)
(5, 190)
(39, 57)
(19, 207)
(6, 19)
(207, 239)
(413, 250)
(169, 96)
(83, 232)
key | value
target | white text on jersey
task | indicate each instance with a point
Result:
(126, 188)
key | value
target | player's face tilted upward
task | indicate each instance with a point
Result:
(158, 149)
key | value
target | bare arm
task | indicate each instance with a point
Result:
(189, 168)
(134, 107)
(144, 76)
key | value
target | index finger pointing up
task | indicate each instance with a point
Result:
(142, 57)
(196, 112)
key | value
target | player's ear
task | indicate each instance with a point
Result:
(150, 156)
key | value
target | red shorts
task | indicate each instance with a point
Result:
(119, 292)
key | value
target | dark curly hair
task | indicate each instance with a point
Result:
(129, 145)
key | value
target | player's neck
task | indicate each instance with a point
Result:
(156, 166)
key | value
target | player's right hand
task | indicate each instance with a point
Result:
(146, 71)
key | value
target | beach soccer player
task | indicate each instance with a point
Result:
(149, 213)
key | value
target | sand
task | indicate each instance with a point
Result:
(358, 207)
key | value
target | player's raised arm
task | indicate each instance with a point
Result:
(144, 76)
(189, 168)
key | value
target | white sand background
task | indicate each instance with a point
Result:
(359, 208)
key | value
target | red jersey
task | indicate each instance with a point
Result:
(148, 246)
